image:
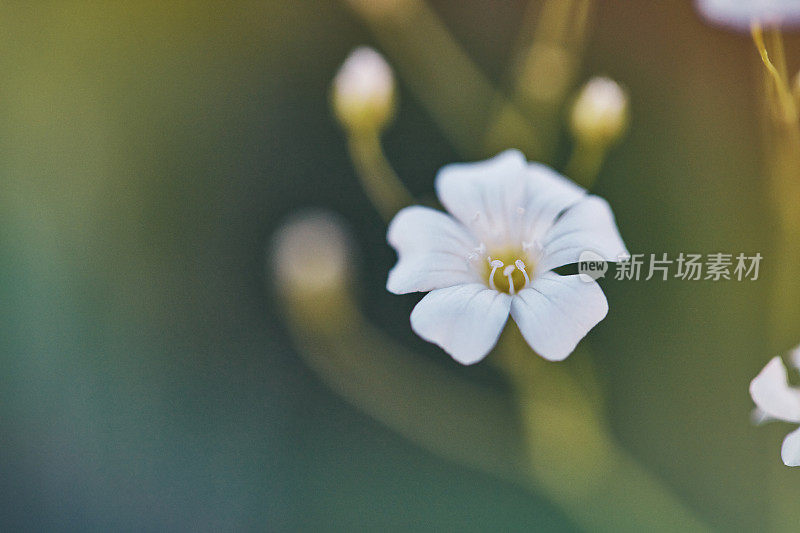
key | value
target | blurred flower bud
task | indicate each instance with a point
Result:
(312, 253)
(380, 8)
(363, 94)
(600, 112)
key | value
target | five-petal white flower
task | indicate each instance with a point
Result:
(512, 223)
(775, 399)
(741, 14)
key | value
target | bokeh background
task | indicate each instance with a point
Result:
(149, 150)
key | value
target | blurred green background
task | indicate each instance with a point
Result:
(149, 150)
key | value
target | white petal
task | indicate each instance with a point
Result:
(790, 451)
(587, 225)
(505, 199)
(773, 395)
(556, 312)
(758, 417)
(794, 357)
(740, 14)
(547, 194)
(484, 195)
(432, 250)
(465, 321)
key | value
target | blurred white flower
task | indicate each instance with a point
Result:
(512, 223)
(363, 91)
(311, 252)
(775, 399)
(741, 14)
(600, 112)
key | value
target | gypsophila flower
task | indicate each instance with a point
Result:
(363, 91)
(512, 223)
(741, 14)
(775, 399)
(311, 252)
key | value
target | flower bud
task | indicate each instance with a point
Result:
(600, 112)
(363, 95)
(312, 253)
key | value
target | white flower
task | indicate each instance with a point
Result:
(512, 223)
(363, 90)
(741, 14)
(775, 399)
(311, 252)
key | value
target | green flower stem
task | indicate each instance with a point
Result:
(570, 456)
(545, 70)
(380, 182)
(573, 457)
(783, 165)
(777, 70)
(782, 150)
(441, 75)
(420, 400)
(585, 162)
(783, 515)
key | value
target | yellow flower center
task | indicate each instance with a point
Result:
(508, 271)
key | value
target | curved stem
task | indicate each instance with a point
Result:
(575, 459)
(585, 163)
(783, 165)
(418, 399)
(380, 182)
(778, 73)
(570, 455)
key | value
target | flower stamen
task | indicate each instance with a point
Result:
(521, 266)
(507, 273)
(495, 264)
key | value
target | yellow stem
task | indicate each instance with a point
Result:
(781, 84)
(782, 153)
(783, 165)
(778, 52)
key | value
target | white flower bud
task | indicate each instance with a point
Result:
(600, 112)
(312, 252)
(363, 95)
